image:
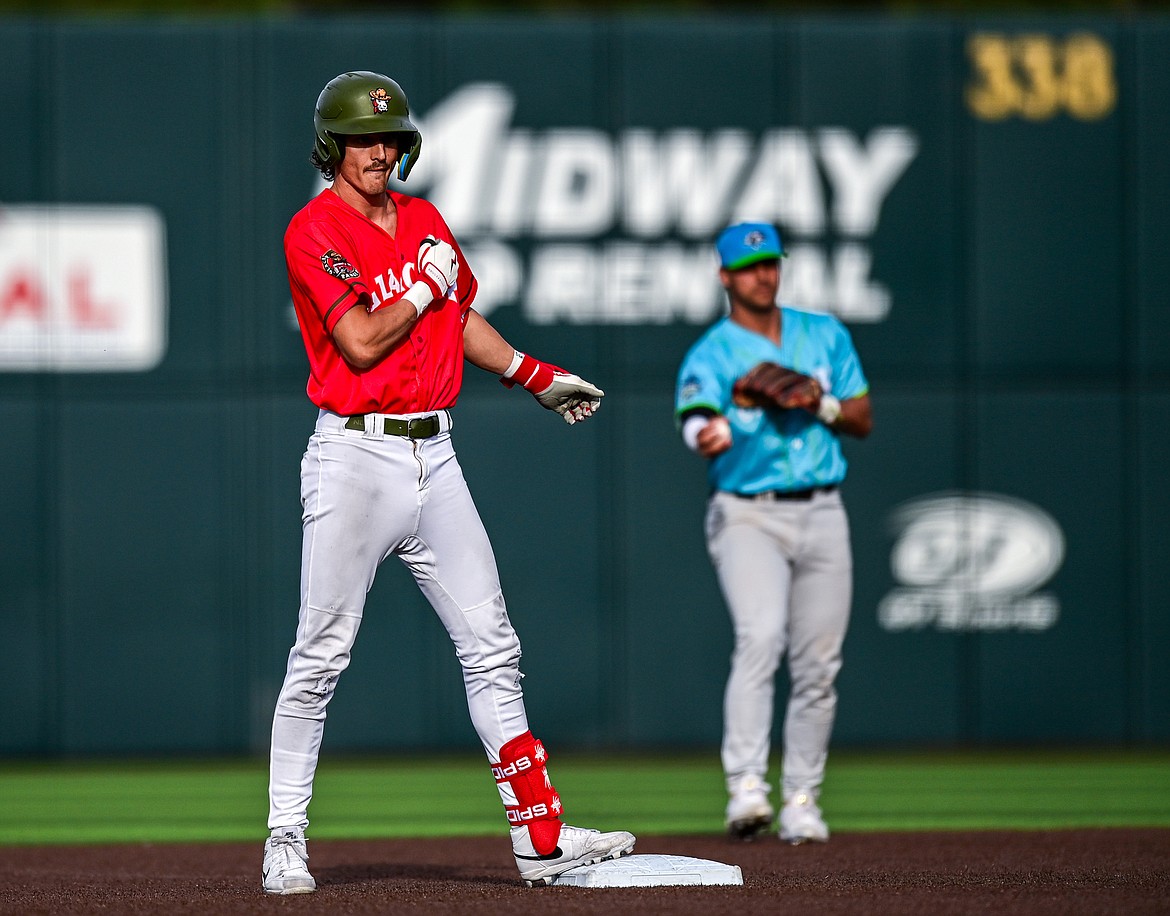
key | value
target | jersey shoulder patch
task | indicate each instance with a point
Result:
(337, 266)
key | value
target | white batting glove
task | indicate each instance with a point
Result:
(438, 263)
(438, 266)
(571, 396)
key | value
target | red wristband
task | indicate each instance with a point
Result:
(532, 375)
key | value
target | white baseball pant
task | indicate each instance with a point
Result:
(786, 571)
(367, 496)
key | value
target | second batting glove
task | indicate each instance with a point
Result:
(568, 395)
(438, 268)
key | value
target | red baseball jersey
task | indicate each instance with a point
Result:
(337, 260)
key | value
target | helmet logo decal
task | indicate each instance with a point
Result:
(337, 266)
(380, 99)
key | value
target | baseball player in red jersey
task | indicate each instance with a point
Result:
(384, 300)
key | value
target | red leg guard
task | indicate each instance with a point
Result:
(538, 807)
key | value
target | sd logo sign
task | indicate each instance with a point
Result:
(972, 562)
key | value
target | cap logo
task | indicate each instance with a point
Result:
(754, 239)
(380, 99)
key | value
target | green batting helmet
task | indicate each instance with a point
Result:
(363, 102)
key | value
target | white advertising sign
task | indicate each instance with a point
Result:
(972, 562)
(82, 289)
(582, 226)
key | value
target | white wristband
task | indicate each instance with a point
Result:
(829, 409)
(691, 428)
(517, 359)
(420, 296)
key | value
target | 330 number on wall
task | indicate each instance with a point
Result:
(1039, 77)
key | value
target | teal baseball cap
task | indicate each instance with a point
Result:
(746, 243)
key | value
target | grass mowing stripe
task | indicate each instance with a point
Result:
(1045, 791)
(162, 801)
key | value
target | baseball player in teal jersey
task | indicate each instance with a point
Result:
(776, 527)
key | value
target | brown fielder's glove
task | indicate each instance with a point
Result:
(772, 385)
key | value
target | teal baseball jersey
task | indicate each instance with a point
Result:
(772, 449)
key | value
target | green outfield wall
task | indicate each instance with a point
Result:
(982, 201)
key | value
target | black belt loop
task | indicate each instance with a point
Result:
(775, 495)
(414, 428)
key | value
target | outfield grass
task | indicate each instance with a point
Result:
(172, 800)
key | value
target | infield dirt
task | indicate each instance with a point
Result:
(1107, 871)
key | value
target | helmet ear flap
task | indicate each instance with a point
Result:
(407, 160)
(327, 149)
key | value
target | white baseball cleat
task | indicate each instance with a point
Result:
(748, 811)
(801, 821)
(285, 858)
(576, 846)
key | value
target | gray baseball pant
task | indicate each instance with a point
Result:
(786, 571)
